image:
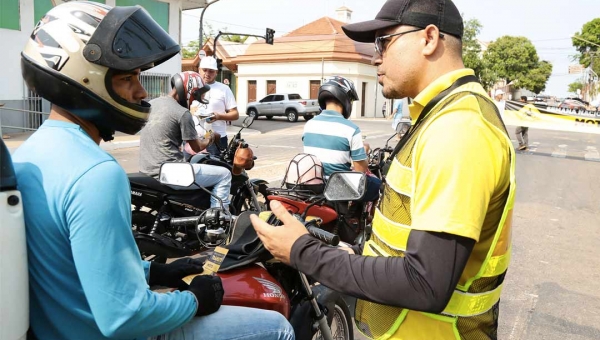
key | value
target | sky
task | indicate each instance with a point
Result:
(549, 24)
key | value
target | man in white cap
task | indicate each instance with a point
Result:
(221, 103)
(499, 99)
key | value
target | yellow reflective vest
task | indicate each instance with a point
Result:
(470, 314)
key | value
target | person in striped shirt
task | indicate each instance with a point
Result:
(333, 138)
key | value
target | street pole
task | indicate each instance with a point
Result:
(376, 85)
(201, 38)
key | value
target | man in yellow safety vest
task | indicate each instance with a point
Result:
(435, 263)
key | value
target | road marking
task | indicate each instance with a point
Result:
(522, 321)
(279, 146)
(560, 152)
(592, 154)
(269, 165)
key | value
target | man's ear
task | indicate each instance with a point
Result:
(432, 40)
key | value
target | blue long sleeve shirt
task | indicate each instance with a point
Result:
(87, 280)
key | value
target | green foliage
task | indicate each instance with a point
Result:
(574, 86)
(470, 46)
(588, 50)
(234, 38)
(190, 51)
(515, 59)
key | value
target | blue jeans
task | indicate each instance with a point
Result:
(231, 322)
(214, 176)
(213, 150)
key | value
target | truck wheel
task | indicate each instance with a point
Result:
(292, 115)
(253, 113)
(308, 117)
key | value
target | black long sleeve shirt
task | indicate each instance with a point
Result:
(422, 280)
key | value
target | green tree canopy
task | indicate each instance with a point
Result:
(588, 47)
(574, 86)
(515, 59)
(190, 50)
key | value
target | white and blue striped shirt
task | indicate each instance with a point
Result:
(336, 141)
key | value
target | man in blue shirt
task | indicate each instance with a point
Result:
(335, 140)
(87, 280)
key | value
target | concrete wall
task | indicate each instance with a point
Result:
(295, 77)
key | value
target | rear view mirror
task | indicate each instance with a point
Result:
(346, 186)
(179, 174)
(248, 121)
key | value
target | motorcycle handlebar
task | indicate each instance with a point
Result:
(323, 235)
(191, 221)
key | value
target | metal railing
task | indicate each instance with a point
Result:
(156, 84)
(35, 110)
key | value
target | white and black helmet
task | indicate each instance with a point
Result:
(340, 89)
(75, 49)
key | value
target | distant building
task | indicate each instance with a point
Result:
(298, 62)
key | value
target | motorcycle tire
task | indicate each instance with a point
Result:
(245, 203)
(341, 323)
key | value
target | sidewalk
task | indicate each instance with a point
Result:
(121, 140)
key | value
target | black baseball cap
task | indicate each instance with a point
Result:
(418, 13)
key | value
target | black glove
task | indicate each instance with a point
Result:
(170, 275)
(209, 293)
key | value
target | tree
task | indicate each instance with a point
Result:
(574, 86)
(190, 51)
(472, 55)
(588, 50)
(235, 38)
(515, 59)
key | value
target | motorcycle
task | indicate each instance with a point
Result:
(162, 216)
(252, 278)
(247, 193)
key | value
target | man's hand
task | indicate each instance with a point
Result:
(279, 240)
(170, 275)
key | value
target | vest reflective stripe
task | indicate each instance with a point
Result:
(394, 235)
(497, 265)
(400, 178)
(471, 304)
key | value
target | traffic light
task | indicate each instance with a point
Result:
(219, 64)
(269, 36)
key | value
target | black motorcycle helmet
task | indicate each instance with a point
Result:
(76, 48)
(189, 86)
(340, 89)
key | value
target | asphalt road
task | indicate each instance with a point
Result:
(552, 289)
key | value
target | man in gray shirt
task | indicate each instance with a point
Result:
(170, 124)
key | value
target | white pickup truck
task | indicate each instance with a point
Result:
(282, 104)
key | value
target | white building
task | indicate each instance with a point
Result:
(298, 61)
(16, 24)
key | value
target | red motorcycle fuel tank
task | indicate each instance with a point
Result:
(325, 213)
(253, 286)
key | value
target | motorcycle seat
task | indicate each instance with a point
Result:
(142, 180)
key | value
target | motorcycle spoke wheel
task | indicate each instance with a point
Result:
(340, 323)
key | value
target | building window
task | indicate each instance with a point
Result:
(271, 86)
(10, 15)
(156, 84)
(158, 10)
(41, 7)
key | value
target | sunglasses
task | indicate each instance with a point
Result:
(379, 41)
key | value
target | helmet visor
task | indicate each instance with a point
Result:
(140, 36)
(139, 42)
